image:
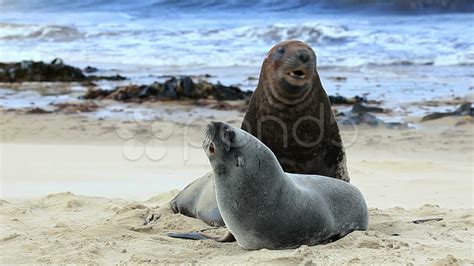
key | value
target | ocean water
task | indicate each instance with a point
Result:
(232, 33)
(399, 52)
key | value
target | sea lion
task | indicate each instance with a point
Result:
(264, 207)
(289, 112)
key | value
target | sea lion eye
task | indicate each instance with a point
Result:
(281, 50)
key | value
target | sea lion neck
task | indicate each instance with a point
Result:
(256, 159)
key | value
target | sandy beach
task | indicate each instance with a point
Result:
(71, 194)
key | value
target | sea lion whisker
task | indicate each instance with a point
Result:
(207, 136)
(292, 63)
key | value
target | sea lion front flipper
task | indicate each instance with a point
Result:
(153, 217)
(156, 213)
(227, 237)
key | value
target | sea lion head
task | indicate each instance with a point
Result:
(291, 67)
(233, 151)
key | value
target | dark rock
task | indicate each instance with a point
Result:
(89, 69)
(56, 71)
(158, 87)
(124, 94)
(360, 119)
(146, 91)
(164, 76)
(186, 87)
(37, 110)
(169, 89)
(343, 100)
(361, 108)
(464, 109)
(206, 89)
(117, 77)
(57, 61)
(436, 115)
(221, 92)
(360, 114)
(39, 71)
(95, 94)
(26, 64)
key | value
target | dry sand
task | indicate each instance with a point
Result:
(405, 175)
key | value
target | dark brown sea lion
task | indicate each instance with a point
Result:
(291, 114)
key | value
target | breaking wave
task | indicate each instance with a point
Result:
(57, 33)
(189, 33)
(404, 6)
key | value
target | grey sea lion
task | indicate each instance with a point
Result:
(290, 112)
(264, 207)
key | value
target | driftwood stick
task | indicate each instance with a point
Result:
(420, 221)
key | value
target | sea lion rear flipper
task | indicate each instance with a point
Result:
(198, 200)
(227, 237)
(190, 236)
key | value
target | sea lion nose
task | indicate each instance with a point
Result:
(303, 56)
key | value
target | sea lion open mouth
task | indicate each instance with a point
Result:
(299, 74)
